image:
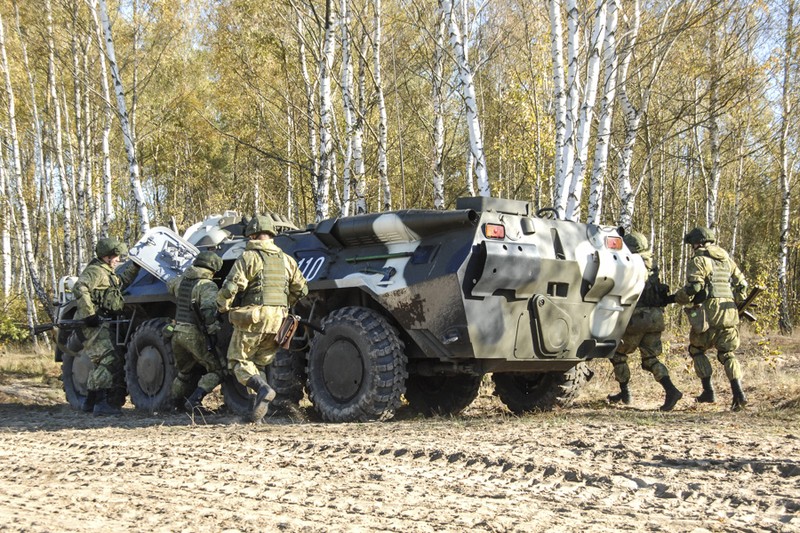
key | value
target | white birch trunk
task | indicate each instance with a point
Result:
(559, 96)
(787, 164)
(564, 181)
(5, 233)
(713, 132)
(311, 102)
(595, 208)
(61, 168)
(348, 183)
(77, 109)
(438, 109)
(40, 171)
(383, 170)
(325, 137)
(626, 193)
(458, 42)
(108, 117)
(584, 129)
(358, 132)
(122, 114)
(16, 178)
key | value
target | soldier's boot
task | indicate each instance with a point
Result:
(672, 394)
(624, 395)
(739, 399)
(87, 405)
(264, 395)
(195, 402)
(103, 407)
(707, 396)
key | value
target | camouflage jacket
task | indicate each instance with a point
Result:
(703, 277)
(96, 285)
(249, 265)
(204, 293)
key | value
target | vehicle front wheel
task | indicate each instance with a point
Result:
(357, 368)
(150, 366)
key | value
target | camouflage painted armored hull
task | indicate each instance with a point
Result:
(486, 285)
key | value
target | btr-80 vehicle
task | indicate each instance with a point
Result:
(413, 304)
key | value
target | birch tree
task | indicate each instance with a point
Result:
(383, 169)
(325, 111)
(458, 42)
(108, 114)
(348, 183)
(583, 131)
(358, 129)
(16, 178)
(437, 97)
(559, 96)
(122, 115)
(567, 149)
(789, 55)
(60, 166)
(595, 207)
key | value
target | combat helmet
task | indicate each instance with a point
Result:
(260, 224)
(208, 260)
(699, 235)
(110, 246)
(636, 242)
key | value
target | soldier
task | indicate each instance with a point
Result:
(195, 330)
(98, 293)
(713, 282)
(270, 282)
(644, 331)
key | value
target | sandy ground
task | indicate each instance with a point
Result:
(592, 467)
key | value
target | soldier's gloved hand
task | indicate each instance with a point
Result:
(92, 321)
(669, 299)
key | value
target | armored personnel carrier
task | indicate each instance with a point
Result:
(413, 306)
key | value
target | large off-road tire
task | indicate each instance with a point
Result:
(543, 391)
(150, 367)
(287, 375)
(357, 368)
(441, 395)
(74, 376)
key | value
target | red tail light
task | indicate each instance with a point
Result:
(614, 243)
(494, 231)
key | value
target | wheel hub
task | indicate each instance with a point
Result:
(343, 370)
(150, 370)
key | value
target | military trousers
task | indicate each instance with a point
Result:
(189, 348)
(650, 347)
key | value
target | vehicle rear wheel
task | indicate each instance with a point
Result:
(542, 391)
(357, 368)
(287, 375)
(150, 366)
(74, 376)
(441, 395)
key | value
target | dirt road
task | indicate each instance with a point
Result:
(579, 469)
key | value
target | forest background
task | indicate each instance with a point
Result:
(656, 116)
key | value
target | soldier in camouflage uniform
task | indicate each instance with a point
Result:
(644, 331)
(98, 293)
(269, 282)
(713, 285)
(195, 327)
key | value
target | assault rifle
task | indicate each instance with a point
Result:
(72, 324)
(742, 308)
